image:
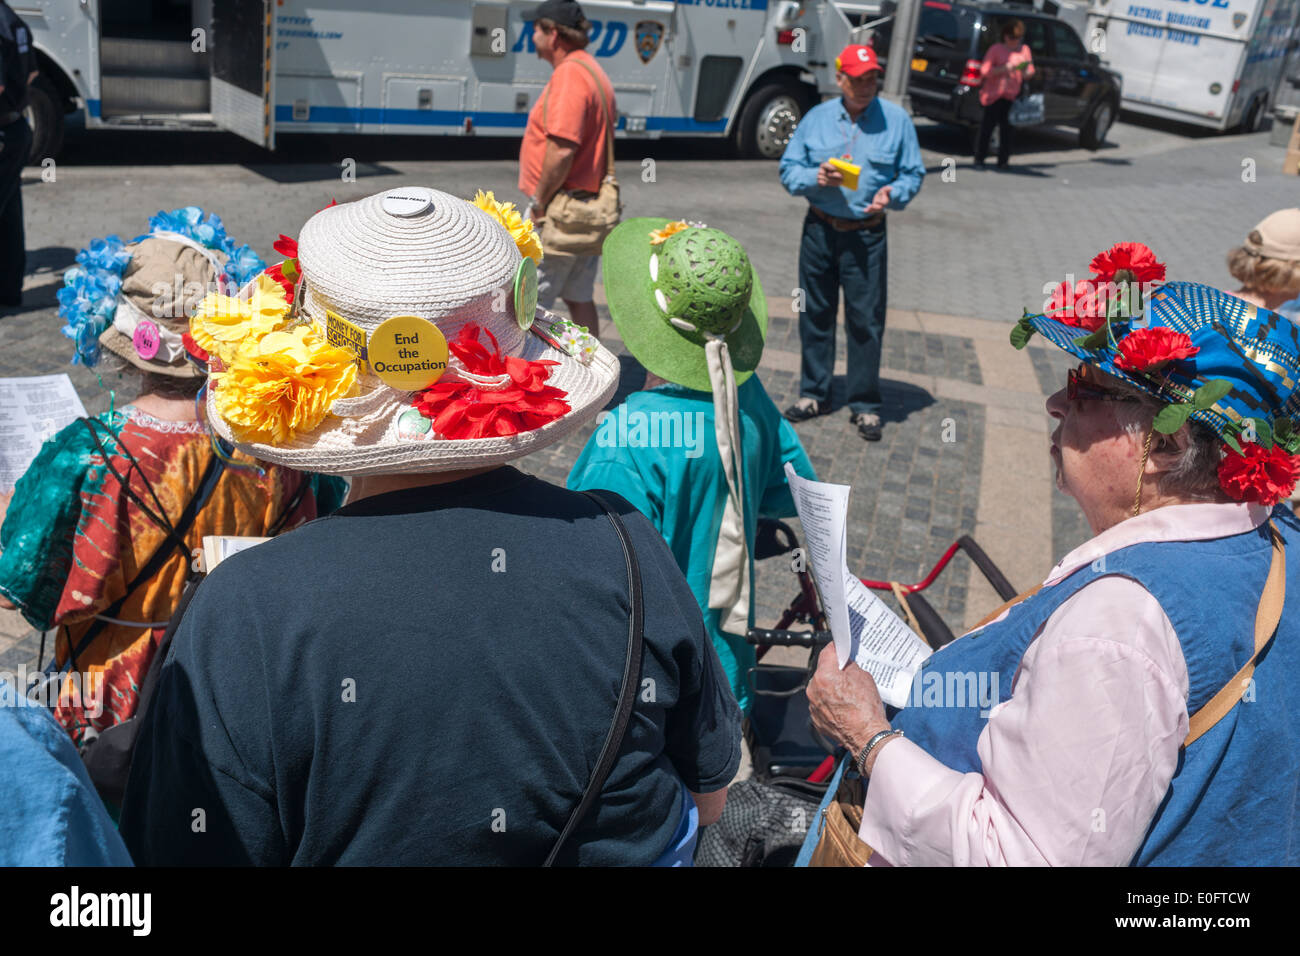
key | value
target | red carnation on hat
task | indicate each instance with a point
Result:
(1127, 261)
(276, 272)
(1078, 308)
(1258, 474)
(1147, 349)
(286, 246)
(461, 409)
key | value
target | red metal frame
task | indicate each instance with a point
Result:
(925, 582)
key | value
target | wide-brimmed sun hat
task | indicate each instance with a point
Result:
(670, 285)
(1208, 356)
(133, 297)
(409, 341)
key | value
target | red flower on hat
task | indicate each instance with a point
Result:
(1078, 308)
(1129, 261)
(461, 409)
(1147, 349)
(286, 283)
(1258, 474)
(286, 273)
(193, 347)
(286, 246)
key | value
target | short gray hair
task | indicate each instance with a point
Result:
(1194, 476)
(167, 386)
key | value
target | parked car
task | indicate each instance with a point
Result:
(951, 40)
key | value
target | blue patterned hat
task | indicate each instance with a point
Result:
(1245, 368)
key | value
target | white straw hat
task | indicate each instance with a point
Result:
(420, 252)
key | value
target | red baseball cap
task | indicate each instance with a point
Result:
(855, 60)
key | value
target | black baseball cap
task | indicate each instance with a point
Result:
(567, 13)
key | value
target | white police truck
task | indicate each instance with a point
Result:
(745, 69)
(1215, 63)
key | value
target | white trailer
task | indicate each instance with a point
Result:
(746, 69)
(1215, 63)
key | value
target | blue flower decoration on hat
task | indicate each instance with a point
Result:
(88, 299)
(1210, 357)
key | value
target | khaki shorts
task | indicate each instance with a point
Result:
(572, 278)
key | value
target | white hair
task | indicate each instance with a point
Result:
(1194, 473)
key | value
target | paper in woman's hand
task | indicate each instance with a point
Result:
(31, 411)
(864, 629)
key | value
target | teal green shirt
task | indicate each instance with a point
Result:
(658, 451)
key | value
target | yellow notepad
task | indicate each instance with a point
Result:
(849, 170)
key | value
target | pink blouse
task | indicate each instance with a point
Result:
(1004, 85)
(1076, 763)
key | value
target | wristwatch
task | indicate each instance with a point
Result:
(861, 759)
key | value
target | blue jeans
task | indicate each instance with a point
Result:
(829, 259)
(681, 848)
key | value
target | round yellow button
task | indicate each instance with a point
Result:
(408, 353)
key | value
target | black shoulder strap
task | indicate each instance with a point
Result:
(631, 680)
(176, 537)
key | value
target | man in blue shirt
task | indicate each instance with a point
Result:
(843, 240)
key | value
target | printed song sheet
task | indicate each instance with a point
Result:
(218, 547)
(865, 630)
(32, 410)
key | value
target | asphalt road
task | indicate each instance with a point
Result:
(975, 243)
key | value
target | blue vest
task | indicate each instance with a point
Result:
(1235, 793)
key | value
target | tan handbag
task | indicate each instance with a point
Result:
(577, 222)
(839, 843)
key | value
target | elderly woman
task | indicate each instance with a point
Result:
(98, 539)
(1143, 714)
(1267, 264)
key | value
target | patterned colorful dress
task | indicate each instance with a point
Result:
(72, 541)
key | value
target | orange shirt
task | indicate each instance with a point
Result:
(572, 110)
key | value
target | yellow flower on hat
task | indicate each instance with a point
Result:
(222, 323)
(658, 236)
(520, 229)
(282, 385)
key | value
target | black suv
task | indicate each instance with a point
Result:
(951, 40)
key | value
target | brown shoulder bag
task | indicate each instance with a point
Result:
(577, 222)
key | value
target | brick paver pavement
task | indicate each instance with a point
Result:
(971, 248)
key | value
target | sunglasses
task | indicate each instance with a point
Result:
(1078, 388)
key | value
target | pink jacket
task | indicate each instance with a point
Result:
(1004, 85)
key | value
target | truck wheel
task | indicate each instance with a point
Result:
(46, 120)
(768, 120)
(1097, 126)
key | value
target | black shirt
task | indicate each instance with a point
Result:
(427, 677)
(17, 61)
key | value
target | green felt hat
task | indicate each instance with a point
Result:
(699, 282)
